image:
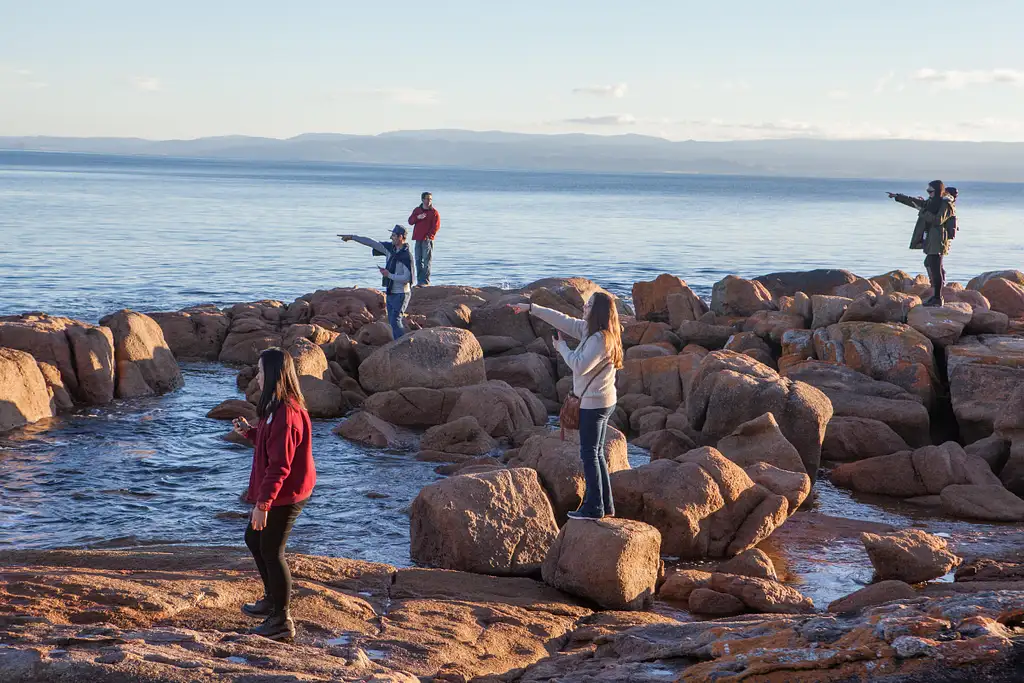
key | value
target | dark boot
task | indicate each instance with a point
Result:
(278, 626)
(260, 609)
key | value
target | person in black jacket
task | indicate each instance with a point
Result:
(935, 227)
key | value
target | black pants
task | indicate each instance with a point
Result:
(267, 548)
(936, 273)
(597, 500)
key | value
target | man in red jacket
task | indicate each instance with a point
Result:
(426, 221)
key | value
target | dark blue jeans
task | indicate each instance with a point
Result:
(597, 501)
(396, 305)
(424, 254)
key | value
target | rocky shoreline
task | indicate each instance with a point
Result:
(744, 403)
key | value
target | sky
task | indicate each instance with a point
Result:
(678, 69)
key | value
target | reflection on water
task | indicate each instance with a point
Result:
(157, 470)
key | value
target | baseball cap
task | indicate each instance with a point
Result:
(398, 230)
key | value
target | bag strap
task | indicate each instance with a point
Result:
(603, 366)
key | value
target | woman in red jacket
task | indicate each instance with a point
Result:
(280, 483)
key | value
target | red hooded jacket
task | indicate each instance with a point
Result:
(282, 464)
(426, 228)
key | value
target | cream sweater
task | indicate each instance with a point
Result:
(589, 361)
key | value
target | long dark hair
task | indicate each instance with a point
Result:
(604, 317)
(280, 382)
(934, 203)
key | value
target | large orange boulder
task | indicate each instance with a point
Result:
(892, 307)
(435, 358)
(848, 439)
(811, 282)
(255, 327)
(145, 364)
(907, 474)
(984, 371)
(497, 522)
(560, 469)
(649, 298)
(657, 377)
(498, 408)
(342, 309)
(75, 357)
(761, 440)
(885, 351)
(24, 397)
(942, 324)
(773, 325)
(195, 333)
(613, 562)
(734, 296)
(911, 556)
(729, 389)
(464, 436)
(412, 406)
(703, 504)
(683, 306)
(1005, 296)
(496, 319)
(527, 370)
(854, 394)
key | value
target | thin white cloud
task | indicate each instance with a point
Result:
(20, 78)
(955, 79)
(838, 95)
(146, 83)
(608, 120)
(616, 91)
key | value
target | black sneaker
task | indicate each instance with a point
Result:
(933, 302)
(276, 627)
(584, 515)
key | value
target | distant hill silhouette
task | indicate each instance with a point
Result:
(912, 159)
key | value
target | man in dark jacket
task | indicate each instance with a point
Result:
(936, 221)
(426, 221)
(396, 276)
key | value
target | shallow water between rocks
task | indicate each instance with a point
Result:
(158, 471)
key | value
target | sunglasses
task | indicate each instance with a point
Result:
(931, 191)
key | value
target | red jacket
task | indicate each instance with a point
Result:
(425, 229)
(282, 464)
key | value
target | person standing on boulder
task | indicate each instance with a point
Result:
(397, 275)
(280, 483)
(935, 227)
(594, 363)
(426, 221)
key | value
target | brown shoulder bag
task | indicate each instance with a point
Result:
(569, 416)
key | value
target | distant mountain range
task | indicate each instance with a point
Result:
(910, 159)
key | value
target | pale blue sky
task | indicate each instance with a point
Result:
(679, 69)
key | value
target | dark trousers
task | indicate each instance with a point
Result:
(597, 500)
(267, 548)
(936, 273)
(424, 253)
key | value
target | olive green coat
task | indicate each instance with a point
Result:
(932, 231)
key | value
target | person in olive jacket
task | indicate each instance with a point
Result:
(935, 227)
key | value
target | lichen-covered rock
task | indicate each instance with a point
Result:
(434, 358)
(735, 296)
(888, 352)
(560, 468)
(703, 504)
(848, 439)
(614, 562)
(195, 333)
(854, 394)
(496, 522)
(911, 555)
(729, 389)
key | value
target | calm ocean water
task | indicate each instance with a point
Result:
(86, 235)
